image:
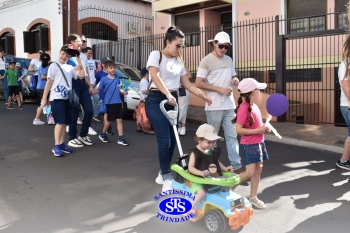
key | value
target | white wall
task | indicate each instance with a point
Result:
(20, 16)
(121, 5)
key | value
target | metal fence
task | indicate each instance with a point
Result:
(295, 58)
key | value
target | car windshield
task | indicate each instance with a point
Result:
(120, 74)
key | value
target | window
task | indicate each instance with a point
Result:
(306, 16)
(37, 38)
(100, 31)
(7, 43)
(189, 24)
(341, 16)
(299, 75)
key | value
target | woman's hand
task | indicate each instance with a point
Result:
(205, 173)
(235, 81)
(207, 99)
(229, 169)
(43, 102)
(171, 100)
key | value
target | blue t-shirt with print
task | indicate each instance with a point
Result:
(110, 87)
(41, 83)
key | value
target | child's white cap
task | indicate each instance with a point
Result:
(18, 64)
(250, 84)
(208, 132)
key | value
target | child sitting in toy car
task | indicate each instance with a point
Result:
(204, 161)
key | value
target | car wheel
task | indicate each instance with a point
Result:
(215, 221)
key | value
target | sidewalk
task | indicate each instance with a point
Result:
(327, 138)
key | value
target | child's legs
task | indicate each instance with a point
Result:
(59, 133)
(107, 124)
(120, 127)
(255, 180)
(62, 112)
(200, 195)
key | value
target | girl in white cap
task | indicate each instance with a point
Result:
(204, 161)
(249, 124)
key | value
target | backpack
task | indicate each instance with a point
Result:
(140, 116)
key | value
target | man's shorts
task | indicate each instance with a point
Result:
(61, 111)
(114, 111)
(254, 153)
(13, 90)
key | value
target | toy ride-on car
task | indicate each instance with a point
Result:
(221, 207)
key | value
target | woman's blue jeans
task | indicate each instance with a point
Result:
(5, 87)
(82, 91)
(163, 130)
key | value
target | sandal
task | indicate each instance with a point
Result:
(257, 203)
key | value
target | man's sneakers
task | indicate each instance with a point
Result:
(122, 141)
(86, 140)
(159, 179)
(103, 137)
(75, 143)
(57, 151)
(38, 122)
(345, 165)
(97, 119)
(92, 132)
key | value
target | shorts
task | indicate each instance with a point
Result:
(346, 114)
(195, 186)
(254, 153)
(13, 90)
(61, 111)
(114, 111)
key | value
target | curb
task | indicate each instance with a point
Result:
(289, 141)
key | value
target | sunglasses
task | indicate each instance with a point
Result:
(180, 46)
(40, 52)
(84, 41)
(221, 46)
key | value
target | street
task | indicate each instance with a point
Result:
(107, 187)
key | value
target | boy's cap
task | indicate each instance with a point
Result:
(18, 64)
(222, 38)
(250, 84)
(69, 49)
(45, 57)
(12, 62)
(104, 59)
(208, 132)
(144, 71)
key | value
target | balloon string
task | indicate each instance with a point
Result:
(268, 124)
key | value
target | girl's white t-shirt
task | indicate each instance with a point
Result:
(170, 70)
(341, 76)
(2, 63)
(143, 87)
(59, 87)
(36, 63)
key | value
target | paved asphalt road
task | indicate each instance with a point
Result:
(110, 188)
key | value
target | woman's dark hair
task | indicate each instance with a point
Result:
(42, 50)
(240, 100)
(346, 55)
(72, 37)
(172, 33)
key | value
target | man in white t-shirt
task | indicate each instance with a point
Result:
(217, 76)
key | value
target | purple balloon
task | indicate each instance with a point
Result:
(277, 104)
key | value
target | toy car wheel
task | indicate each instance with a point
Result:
(215, 221)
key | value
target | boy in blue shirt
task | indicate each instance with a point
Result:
(109, 85)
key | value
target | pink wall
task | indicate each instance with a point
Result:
(258, 9)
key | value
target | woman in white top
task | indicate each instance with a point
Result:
(344, 80)
(2, 72)
(166, 73)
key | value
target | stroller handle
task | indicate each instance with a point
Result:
(171, 115)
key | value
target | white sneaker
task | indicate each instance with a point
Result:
(51, 121)
(92, 132)
(159, 179)
(38, 122)
(167, 185)
(75, 143)
(86, 140)
(182, 131)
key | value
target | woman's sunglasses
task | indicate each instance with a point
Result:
(221, 46)
(84, 41)
(40, 52)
